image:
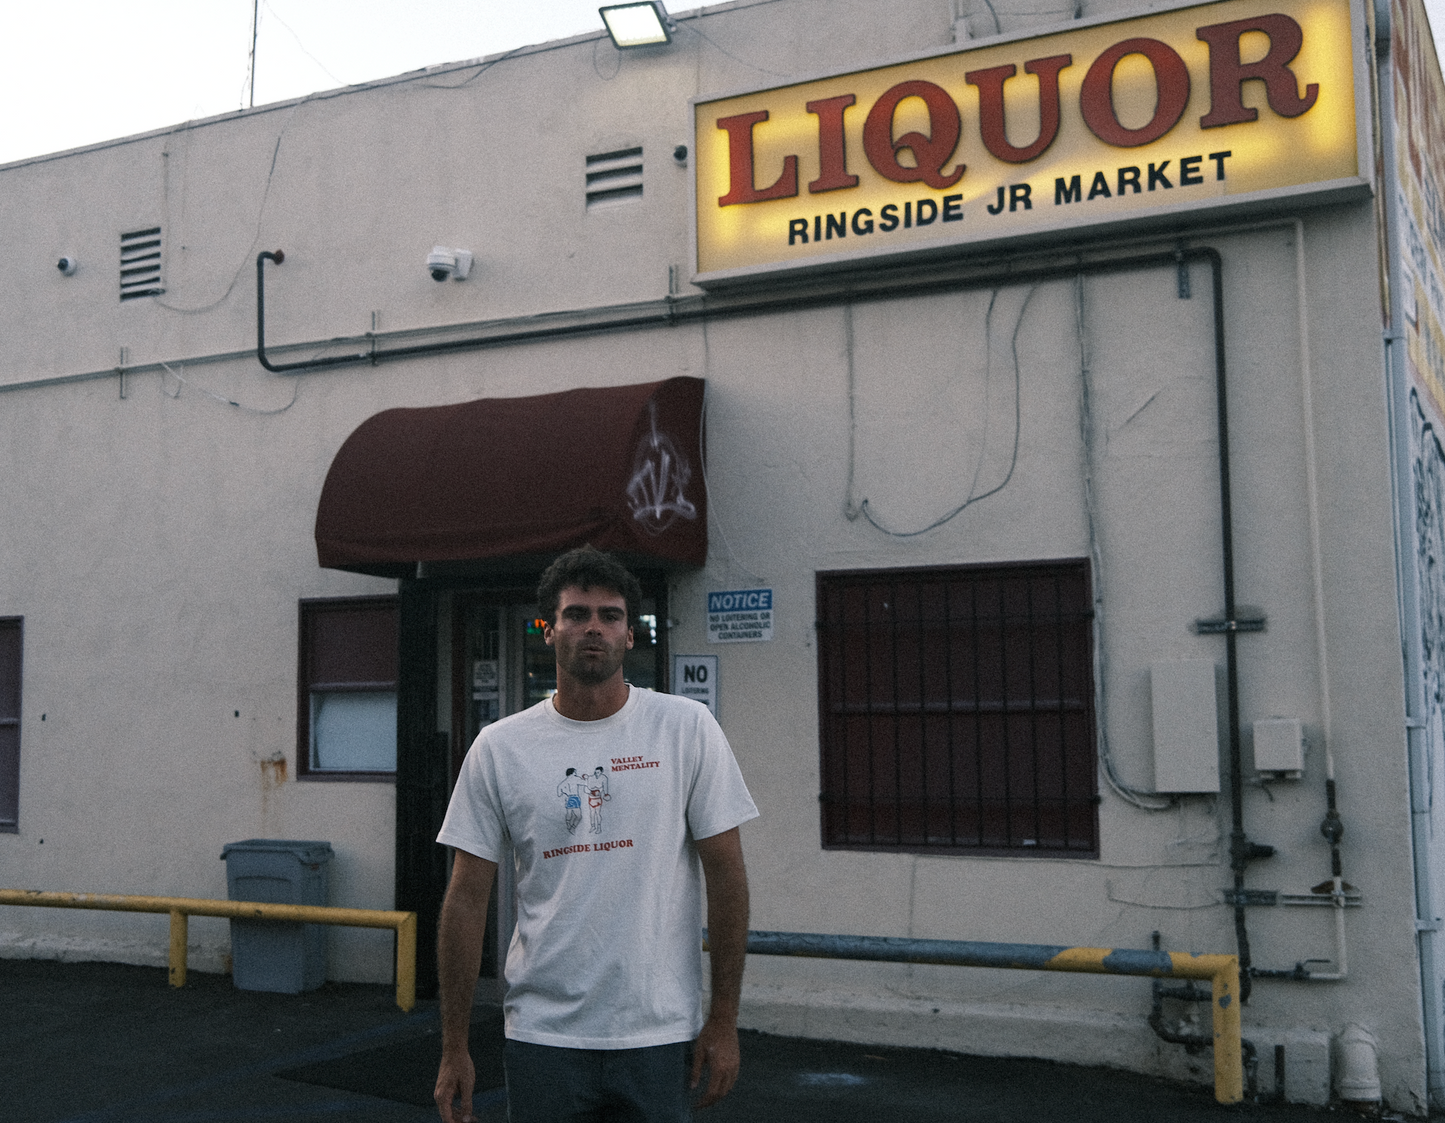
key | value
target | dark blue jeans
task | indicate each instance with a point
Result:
(546, 1084)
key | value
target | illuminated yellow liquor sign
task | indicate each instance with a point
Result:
(1211, 105)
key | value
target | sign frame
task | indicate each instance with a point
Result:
(1346, 188)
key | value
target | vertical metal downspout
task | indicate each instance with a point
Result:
(1241, 849)
(1407, 581)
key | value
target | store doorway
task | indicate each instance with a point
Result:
(500, 664)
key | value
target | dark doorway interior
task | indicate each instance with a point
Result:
(472, 652)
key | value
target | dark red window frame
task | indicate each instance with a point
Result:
(956, 709)
(345, 643)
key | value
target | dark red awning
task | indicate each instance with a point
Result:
(619, 467)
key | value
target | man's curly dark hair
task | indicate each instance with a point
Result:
(587, 568)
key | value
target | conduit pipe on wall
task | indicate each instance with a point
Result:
(1331, 827)
(882, 284)
(1358, 1079)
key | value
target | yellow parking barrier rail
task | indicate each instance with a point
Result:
(1222, 971)
(181, 909)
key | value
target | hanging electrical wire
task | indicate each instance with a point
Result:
(1145, 801)
(184, 381)
(324, 69)
(260, 214)
(478, 69)
(689, 25)
(852, 510)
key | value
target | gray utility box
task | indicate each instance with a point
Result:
(272, 955)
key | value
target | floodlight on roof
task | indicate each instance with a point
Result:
(638, 25)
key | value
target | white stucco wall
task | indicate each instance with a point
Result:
(157, 543)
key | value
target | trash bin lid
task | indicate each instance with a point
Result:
(309, 851)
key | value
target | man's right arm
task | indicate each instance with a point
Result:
(459, 958)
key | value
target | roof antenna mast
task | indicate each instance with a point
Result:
(255, 20)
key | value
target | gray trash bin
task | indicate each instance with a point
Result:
(277, 955)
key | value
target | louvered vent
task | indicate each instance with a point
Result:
(140, 263)
(614, 177)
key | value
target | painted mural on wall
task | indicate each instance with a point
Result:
(1420, 170)
(1428, 469)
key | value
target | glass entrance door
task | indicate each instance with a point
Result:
(500, 665)
(487, 684)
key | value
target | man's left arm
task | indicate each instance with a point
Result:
(727, 934)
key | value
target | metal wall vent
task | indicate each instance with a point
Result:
(140, 263)
(614, 177)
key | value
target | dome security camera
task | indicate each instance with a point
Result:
(442, 263)
(67, 265)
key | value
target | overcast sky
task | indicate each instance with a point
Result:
(73, 72)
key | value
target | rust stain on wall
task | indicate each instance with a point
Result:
(273, 772)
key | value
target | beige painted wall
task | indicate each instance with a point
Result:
(157, 543)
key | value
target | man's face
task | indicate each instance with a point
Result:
(591, 635)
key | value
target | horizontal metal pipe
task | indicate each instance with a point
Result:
(968, 953)
(203, 906)
(1221, 970)
(880, 284)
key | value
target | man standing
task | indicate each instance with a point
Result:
(571, 789)
(604, 972)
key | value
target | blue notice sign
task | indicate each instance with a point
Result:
(740, 616)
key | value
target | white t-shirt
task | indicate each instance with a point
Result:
(608, 948)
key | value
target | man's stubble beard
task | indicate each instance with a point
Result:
(593, 674)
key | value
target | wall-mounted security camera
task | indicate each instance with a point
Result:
(442, 263)
(68, 265)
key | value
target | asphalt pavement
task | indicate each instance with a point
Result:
(108, 1043)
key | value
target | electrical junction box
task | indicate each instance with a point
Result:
(1185, 695)
(1279, 747)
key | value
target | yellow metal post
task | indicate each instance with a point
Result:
(406, 962)
(180, 926)
(182, 908)
(1228, 1049)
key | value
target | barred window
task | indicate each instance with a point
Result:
(956, 709)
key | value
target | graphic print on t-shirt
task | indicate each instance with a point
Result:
(570, 792)
(574, 788)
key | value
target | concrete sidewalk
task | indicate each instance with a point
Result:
(92, 1042)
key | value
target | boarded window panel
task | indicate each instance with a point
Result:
(956, 709)
(11, 632)
(353, 643)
